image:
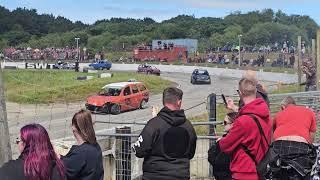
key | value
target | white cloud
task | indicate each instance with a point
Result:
(156, 14)
(225, 4)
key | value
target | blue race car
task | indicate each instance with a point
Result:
(101, 64)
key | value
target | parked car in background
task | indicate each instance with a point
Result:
(200, 76)
(115, 98)
(144, 68)
(64, 65)
(101, 64)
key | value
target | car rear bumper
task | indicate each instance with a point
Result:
(203, 81)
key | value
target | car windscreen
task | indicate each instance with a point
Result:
(201, 72)
(110, 91)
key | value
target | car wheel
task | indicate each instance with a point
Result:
(143, 104)
(108, 68)
(101, 68)
(105, 108)
(115, 109)
(192, 81)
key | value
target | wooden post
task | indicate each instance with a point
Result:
(5, 147)
(299, 63)
(318, 59)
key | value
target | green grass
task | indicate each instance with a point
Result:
(203, 130)
(287, 88)
(52, 86)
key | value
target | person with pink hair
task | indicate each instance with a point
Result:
(37, 161)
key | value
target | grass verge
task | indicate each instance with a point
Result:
(52, 86)
(287, 88)
(203, 130)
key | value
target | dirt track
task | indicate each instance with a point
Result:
(57, 117)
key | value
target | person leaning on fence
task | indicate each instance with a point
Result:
(167, 142)
(310, 70)
(219, 160)
(294, 132)
(84, 160)
(244, 141)
(37, 160)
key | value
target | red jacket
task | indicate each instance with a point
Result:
(245, 132)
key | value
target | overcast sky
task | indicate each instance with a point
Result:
(88, 11)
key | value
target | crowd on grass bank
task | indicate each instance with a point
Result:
(49, 53)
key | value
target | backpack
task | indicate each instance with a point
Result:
(262, 167)
(220, 162)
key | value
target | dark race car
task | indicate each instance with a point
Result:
(147, 69)
(200, 76)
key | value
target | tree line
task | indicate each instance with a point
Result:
(26, 28)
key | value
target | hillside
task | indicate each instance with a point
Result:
(26, 28)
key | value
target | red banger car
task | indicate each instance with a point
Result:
(144, 68)
(115, 98)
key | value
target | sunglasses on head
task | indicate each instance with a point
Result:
(18, 140)
(226, 123)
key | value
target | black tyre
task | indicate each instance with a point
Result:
(101, 68)
(108, 68)
(106, 108)
(143, 104)
(115, 109)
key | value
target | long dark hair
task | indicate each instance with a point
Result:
(38, 153)
(82, 121)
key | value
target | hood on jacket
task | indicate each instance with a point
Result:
(175, 118)
(257, 107)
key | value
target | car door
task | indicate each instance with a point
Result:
(136, 96)
(126, 103)
(144, 92)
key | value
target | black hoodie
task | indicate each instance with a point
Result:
(14, 170)
(167, 143)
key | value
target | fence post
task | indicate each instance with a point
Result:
(212, 112)
(5, 146)
(123, 154)
(313, 51)
(318, 59)
(299, 63)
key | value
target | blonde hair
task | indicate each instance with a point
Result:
(250, 75)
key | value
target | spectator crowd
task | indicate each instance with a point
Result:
(66, 53)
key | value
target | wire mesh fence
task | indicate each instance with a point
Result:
(56, 118)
